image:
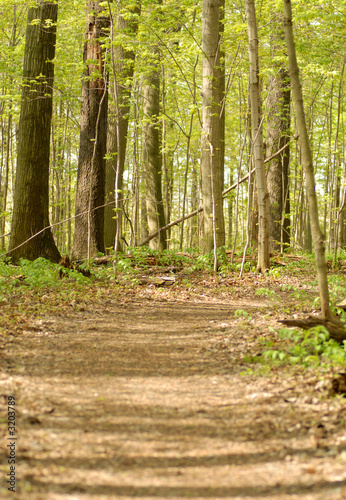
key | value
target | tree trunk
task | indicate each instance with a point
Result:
(122, 67)
(31, 197)
(110, 225)
(278, 136)
(167, 160)
(212, 140)
(257, 140)
(152, 157)
(89, 222)
(4, 181)
(318, 237)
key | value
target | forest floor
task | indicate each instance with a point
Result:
(148, 392)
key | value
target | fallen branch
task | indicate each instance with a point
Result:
(192, 214)
(267, 160)
(177, 221)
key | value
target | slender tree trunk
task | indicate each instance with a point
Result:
(167, 160)
(89, 222)
(31, 197)
(136, 180)
(194, 204)
(110, 223)
(317, 235)
(4, 184)
(212, 140)
(257, 140)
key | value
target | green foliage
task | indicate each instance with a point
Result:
(39, 273)
(337, 287)
(298, 294)
(266, 292)
(288, 287)
(175, 28)
(240, 313)
(140, 259)
(35, 276)
(124, 265)
(274, 272)
(206, 261)
(310, 348)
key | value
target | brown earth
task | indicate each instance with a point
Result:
(149, 395)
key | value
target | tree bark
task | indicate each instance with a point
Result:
(278, 135)
(212, 139)
(257, 140)
(31, 197)
(123, 67)
(151, 150)
(89, 227)
(318, 237)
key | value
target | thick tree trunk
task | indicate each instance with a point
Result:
(318, 237)
(31, 197)
(122, 66)
(89, 223)
(257, 140)
(212, 140)
(152, 158)
(278, 136)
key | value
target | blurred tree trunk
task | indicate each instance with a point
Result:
(89, 222)
(31, 197)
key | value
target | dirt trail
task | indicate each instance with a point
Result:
(149, 401)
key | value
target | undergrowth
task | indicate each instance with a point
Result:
(312, 347)
(35, 288)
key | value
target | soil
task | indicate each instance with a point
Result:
(149, 394)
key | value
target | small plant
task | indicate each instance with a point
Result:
(204, 261)
(288, 288)
(265, 292)
(240, 313)
(124, 265)
(39, 273)
(337, 286)
(299, 294)
(275, 272)
(310, 348)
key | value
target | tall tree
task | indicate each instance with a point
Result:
(317, 235)
(152, 151)
(212, 140)
(257, 140)
(89, 222)
(123, 57)
(278, 136)
(30, 212)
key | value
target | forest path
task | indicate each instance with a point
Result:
(147, 400)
